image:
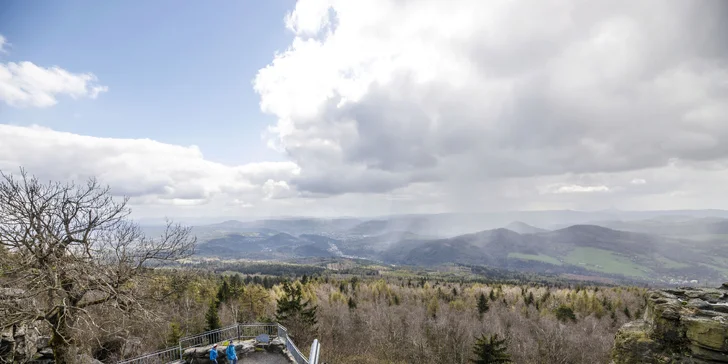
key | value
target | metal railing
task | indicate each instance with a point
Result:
(208, 337)
(232, 332)
(290, 346)
(162, 356)
(236, 331)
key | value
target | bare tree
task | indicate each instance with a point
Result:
(69, 248)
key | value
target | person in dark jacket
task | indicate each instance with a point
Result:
(213, 354)
(231, 354)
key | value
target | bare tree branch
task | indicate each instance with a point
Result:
(65, 248)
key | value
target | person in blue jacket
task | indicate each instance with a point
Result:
(231, 355)
(213, 354)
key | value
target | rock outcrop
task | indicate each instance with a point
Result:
(683, 325)
(22, 343)
(109, 348)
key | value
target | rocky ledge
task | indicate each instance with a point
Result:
(683, 325)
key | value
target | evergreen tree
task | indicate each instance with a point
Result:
(295, 313)
(235, 281)
(482, 305)
(223, 293)
(433, 307)
(212, 319)
(490, 350)
(546, 296)
(565, 313)
(175, 333)
(352, 303)
(492, 295)
(627, 313)
(304, 279)
(606, 303)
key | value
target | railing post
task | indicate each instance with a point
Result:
(237, 326)
(313, 357)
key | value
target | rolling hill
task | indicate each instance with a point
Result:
(579, 249)
(660, 249)
(523, 228)
(698, 229)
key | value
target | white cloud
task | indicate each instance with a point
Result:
(149, 171)
(387, 94)
(638, 181)
(579, 189)
(173, 180)
(277, 189)
(25, 84)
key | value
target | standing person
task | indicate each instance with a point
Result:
(231, 355)
(213, 354)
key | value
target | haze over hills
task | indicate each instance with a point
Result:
(523, 228)
(699, 229)
(450, 224)
(658, 247)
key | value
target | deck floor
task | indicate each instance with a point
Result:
(263, 357)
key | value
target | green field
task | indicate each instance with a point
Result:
(668, 263)
(538, 257)
(719, 264)
(707, 237)
(604, 261)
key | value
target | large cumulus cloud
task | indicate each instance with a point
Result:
(376, 96)
(149, 171)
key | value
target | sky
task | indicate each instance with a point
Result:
(338, 108)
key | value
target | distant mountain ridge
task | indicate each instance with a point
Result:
(452, 224)
(523, 228)
(702, 227)
(662, 248)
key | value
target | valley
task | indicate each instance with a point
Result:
(658, 250)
